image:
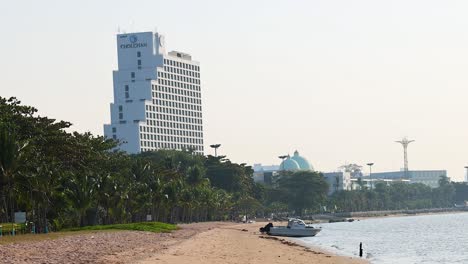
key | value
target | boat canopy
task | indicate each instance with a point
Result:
(296, 223)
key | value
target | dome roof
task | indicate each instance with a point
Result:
(301, 161)
(289, 165)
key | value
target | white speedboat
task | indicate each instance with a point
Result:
(295, 228)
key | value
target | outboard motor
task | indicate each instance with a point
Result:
(266, 228)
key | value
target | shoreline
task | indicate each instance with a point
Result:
(324, 218)
(198, 243)
(401, 212)
(243, 243)
(409, 215)
(362, 218)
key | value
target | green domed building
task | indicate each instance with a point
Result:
(303, 163)
(295, 163)
(289, 165)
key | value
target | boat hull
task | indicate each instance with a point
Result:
(290, 232)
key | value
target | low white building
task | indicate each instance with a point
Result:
(338, 181)
(356, 183)
(428, 177)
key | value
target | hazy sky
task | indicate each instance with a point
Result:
(338, 80)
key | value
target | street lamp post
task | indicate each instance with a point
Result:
(282, 157)
(215, 146)
(370, 173)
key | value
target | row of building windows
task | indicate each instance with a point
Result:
(177, 75)
(181, 91)
(173, 118)
(179, 78)
(181, 72)
(165, 138)
(175, 80)
(173, 121)
(153, 130)
(175, 83)
(181, 65)
(184, 118)
(173, 125)
(159, 109)
(154, 146)
(188, 87)
(176, 104)
(177, 98)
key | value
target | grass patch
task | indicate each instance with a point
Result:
(155, 227)
(7, 227)
(29, 238)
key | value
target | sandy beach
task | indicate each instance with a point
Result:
(194, 243)
(242, 243)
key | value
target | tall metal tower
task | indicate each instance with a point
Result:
(405, 142)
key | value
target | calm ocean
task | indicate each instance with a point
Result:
(425, 239)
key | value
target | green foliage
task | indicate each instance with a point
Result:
(248, 205)
(9, 160)
(64, 179)
(302, 190)
(396, 196)
(461, 192)
(67, 179)
(8, 227)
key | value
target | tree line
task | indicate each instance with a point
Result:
(68, 179)
(304, 193)
(398, 196)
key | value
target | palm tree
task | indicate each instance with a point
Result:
(10, 153)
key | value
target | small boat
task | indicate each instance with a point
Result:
(295, 228)
(462, 205)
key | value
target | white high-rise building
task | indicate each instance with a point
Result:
(157, 97)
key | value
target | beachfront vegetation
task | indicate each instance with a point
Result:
(397, 196)
(68, 179)
(298, 192)
(64, 179)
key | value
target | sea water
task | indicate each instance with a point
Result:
(441, 238)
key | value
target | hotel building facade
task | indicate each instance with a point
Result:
(157, 97)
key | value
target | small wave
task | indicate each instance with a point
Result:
(337, 247)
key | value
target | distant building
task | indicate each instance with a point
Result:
(264, 174)
(295, 163)
(357, 183)
(338, 181)
(157, 97)
(428, 177)
(260, 167)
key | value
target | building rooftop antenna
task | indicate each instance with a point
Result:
(132, 25)
(405, 142)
